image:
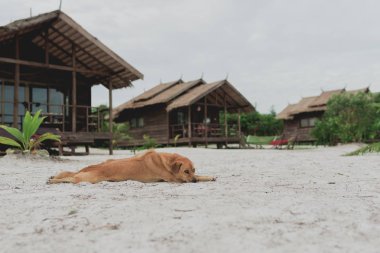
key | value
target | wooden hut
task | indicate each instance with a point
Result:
(184, 113)
(49, 63)
(299, 119)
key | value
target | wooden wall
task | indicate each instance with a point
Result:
(292, 128)
(155, 124)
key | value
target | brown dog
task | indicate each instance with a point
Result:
(148, 167)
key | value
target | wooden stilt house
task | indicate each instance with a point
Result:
(185, 113)
(299, 119)
(49, 63)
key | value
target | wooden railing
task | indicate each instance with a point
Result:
(203, 130)
(89, 119)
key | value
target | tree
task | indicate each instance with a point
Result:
(255, 123)
(120, 131)
(348, 118)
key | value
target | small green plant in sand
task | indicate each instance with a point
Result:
(371, 148)
(149, 142)
(176, 138)
(26, 140)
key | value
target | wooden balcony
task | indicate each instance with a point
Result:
(89, 119)
(201, 133)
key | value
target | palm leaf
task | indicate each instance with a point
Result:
(371, 148)
(45, 137)
(36, 122)
(9, 142)
(15, 133)
(26, 126)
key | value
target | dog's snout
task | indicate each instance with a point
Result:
(194, 180)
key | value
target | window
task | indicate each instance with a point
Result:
(55, 101)
(312, 122)
(137, 122)
(133, 123)
(1, 101)
(308, 122)
(7, 102)
(180, 118)
(140, 122)
(39, 99)
(8, 97)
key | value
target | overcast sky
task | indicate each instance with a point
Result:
(274, 51)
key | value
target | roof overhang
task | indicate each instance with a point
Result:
(61, 36)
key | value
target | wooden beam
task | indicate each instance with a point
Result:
(225, 119)
(17, 84)
(168, 131)
(88, 53)
(49, 43)
(189, 124)
(74, 92)
(110, 117)
(47, 46)
(205, 121)
(239, 127)
(50, 66)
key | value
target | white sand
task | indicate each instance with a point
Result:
(263, 201)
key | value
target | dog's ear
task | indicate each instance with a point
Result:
(176, 166)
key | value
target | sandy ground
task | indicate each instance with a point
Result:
(263, 201)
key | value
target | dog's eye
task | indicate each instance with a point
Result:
(187, 171)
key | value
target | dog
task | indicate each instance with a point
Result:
(147, 168)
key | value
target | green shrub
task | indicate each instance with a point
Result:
(26, 140)
(348, 118)
(149, 142)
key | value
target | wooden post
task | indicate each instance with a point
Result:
(110, 117)
(47, 46)
(168, 131)
(98, 120)
(239, 127)
(189, 134)
(74, 93)
(17, 84)
(205, 121)
(87, 108)
(225, 120)
(225, 117)
(63, 117)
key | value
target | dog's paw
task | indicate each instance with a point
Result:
(49, 181)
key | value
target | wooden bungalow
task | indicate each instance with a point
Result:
(299, 119)
(184, 113)
(49, 63)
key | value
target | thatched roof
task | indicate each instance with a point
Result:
(286, 113)
(313, 104)
(364, 90)
(325, 97)
(160, 94)
(180, 94)
(149, 94)
(235, 98)
(63, 32)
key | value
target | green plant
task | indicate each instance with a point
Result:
(176, 138)
(348, 118)
(371, 148)
(149, 142)
(120, 133)
(26, 140)
(255, 123)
